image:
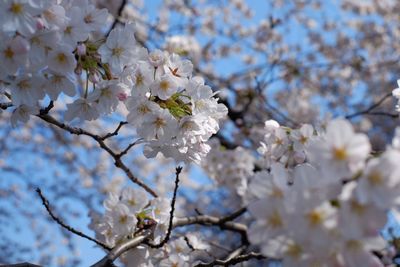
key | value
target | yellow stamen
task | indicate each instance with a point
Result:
(8, 53)
(164, 85)
(61, 57)
(294, 251)
(159, 122)
(375, 178)
(275, 220)
(16, 8)
(123, 219)
(315, 218)
(339, 153)
(117, 51)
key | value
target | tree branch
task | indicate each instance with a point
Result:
(5, 106)
(123, 152)
(121, 123)
(45, 202)
(234, 215)
(213, 221)
(178, 171)
(372, 107)
(116, 252)
(24, 264)
(117, 159)
(233, 259)
(116, 19)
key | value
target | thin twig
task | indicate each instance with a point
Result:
(116, 131)
(207, 220)
(5, 106)
(47, 109)
(234, 260)
(123, 152)
(372, 107)
(234, 215)
(382, 113)
(66, 226)
(24, 264)
(117, 160)
(178, 171)
(116, 19)
(230, 256)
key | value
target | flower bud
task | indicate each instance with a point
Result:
(94, 77)
(156, 58)
(40, 25)
(299, 157)
(122, 96)
(20, 45)
(81, 49)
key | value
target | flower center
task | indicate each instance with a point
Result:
(131, 202)
(303, 139)
(16, 8)
(339, 153)
(164, 85)
(375, 178)
(159, 123)
(117, 51)
(68, 30)
(315, 218)
(8, 53)
(294, 251)
(24, 84)
(61, 58)
(123, 219)
(275, 220)
(139, 79)
(353, 245)
(143, 109)
(357, 207)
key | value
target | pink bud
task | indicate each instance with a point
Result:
(156, 58)
(20, 45)
(94, 77)
(40, 24)
(78, 69)
(299, 157)
(122, 96)
(81, 49)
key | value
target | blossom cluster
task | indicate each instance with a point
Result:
(128, 213)
(323, 198)
(47, 47)
(230, 168)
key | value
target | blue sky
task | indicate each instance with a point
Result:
(89, 252)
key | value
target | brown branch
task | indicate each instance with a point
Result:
(45, 202)
(176, 222)
(234, 215)
(116, 19)
(117, 159)
(123, 152)
(178, 171)
(372, 107)
(24, 264)
(229, 261)
(5, 106)
(121, 123)
(117, 251)
(47, 109)
(207, 220)
(382, 113)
